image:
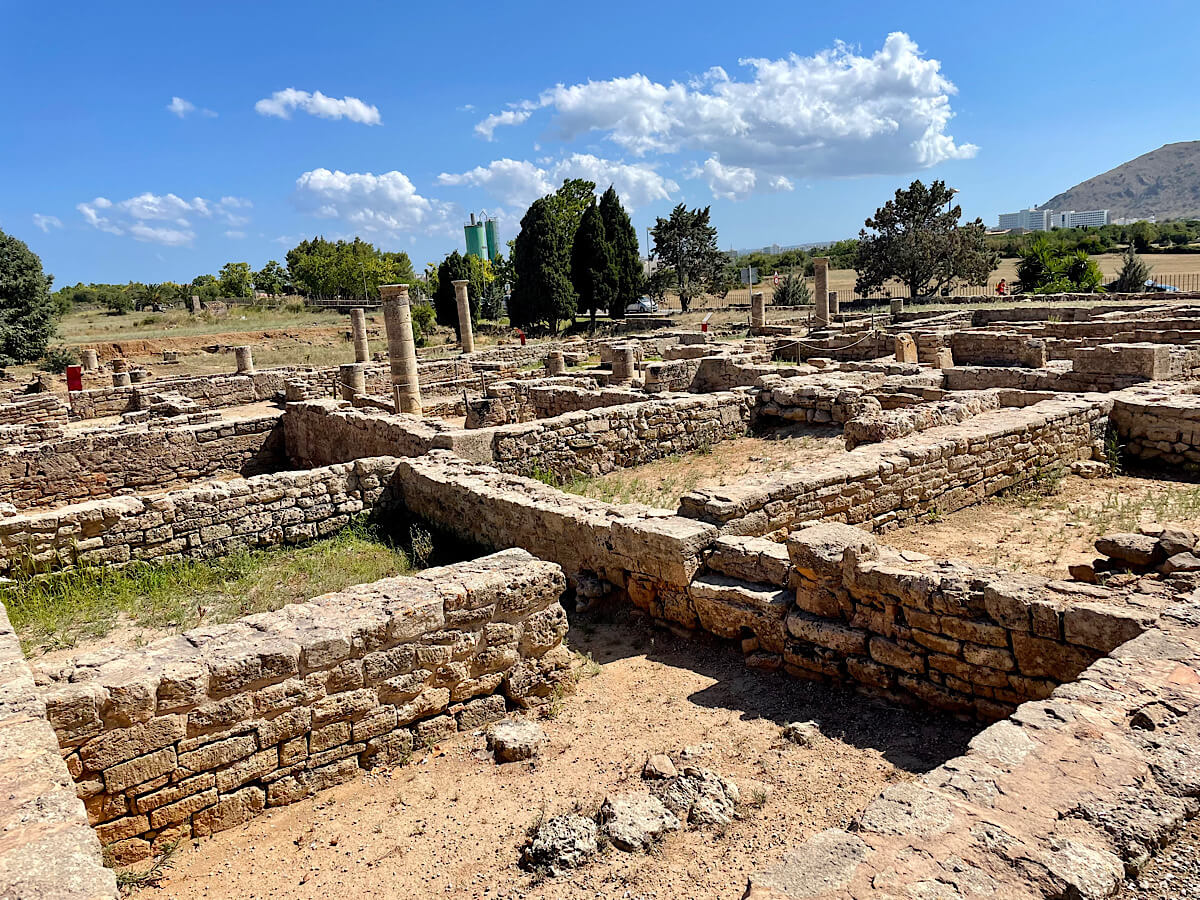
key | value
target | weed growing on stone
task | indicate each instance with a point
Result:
(153, 875)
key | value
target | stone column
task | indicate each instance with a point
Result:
(821, 289)
(897, 306)
(358, 324)
(352, 379)
(555, 363)
(195, 305)
(91, 360)
(245, 359)
(465, 336)
(120, 379)
(137, 376)
(758, 310)
(835, 306)
(624, 363)
(402, 349)
(119, 364)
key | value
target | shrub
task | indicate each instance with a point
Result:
(792, 291)
(57, 358)
(423, 318)
(1133, 275)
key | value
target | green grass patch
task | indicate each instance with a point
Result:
(58, 610)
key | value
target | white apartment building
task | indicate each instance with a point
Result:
(1043, 219)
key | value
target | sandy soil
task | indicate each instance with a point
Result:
(451, 823)
(661, 483)
(1044, 534)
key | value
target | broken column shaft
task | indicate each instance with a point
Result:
(402, 349)
(465, 336)
(821, 289)
(358, 325)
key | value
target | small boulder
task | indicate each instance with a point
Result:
(1084, 572)
(695, 751)
(699, 797)
(1180, 562)
(562, 842)
(633, 821)
(513, 740)
(803, 733)
(1086, 468)
(1138, 550)
(1175, 540)
(659, 766)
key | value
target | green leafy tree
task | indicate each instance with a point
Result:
(593, 270)
(1133, 275)
(206, 287)
(351, 270)
(122, 301)
(26, 310)
(686, 242)
(916, 239)
(622, 238)
(542, 290)
(568, 204)
(148, 296)
(236, 280)
(271, 279)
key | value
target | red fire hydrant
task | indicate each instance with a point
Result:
(521, 335)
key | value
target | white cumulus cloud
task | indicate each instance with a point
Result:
(183, 108)
(836, 113)
(171, 214)
(46, 222)
(733, 182)
(519, 182)
(386, 203)
(282, 103)
(487, 128)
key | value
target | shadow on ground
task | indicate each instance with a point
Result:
(915, 740)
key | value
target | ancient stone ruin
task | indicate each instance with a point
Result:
(1086, 688)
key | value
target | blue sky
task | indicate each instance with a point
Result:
(156, 141)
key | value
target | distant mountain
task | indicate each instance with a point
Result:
(1163, 183)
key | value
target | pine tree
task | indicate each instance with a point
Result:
(1133, 275)
(542, 264)
(592, 270)
(622, 237)
(26, 310)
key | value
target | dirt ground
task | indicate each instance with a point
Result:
(1042, 535)
(661, 483)
(451, 823)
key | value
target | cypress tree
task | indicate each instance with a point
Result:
(454, 267)
(622, 237)
(542, 264)
(592, 270)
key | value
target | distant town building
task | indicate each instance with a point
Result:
(1043, 219)
(1129, 220)
(1029, 219)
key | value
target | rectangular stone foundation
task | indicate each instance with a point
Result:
(200, 732)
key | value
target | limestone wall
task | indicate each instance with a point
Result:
(47, 850)
(593, 442)
(203, 731)
(887, 484)
(29, 409)
(997, 349)
(1158, 423)
(1064, 799)
(106, 461)
(321, 432)
(207, 391)
(196, 522)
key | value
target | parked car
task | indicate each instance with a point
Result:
(641, 306)
(1156, 287)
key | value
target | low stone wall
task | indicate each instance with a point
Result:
(31, 409)
(1066, 798)
(646, 553)
(200, 732)
(887, 484)
(321, 432)
(1158, 423)
(676, 375)
(196, 522)
(509, 402)
(818, 399)
(48, 850)
(874, 424)
(207, 391)
(104, 462)
(995, 348)
(593, 442)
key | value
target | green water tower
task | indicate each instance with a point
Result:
(475, 237)
(493, 240)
